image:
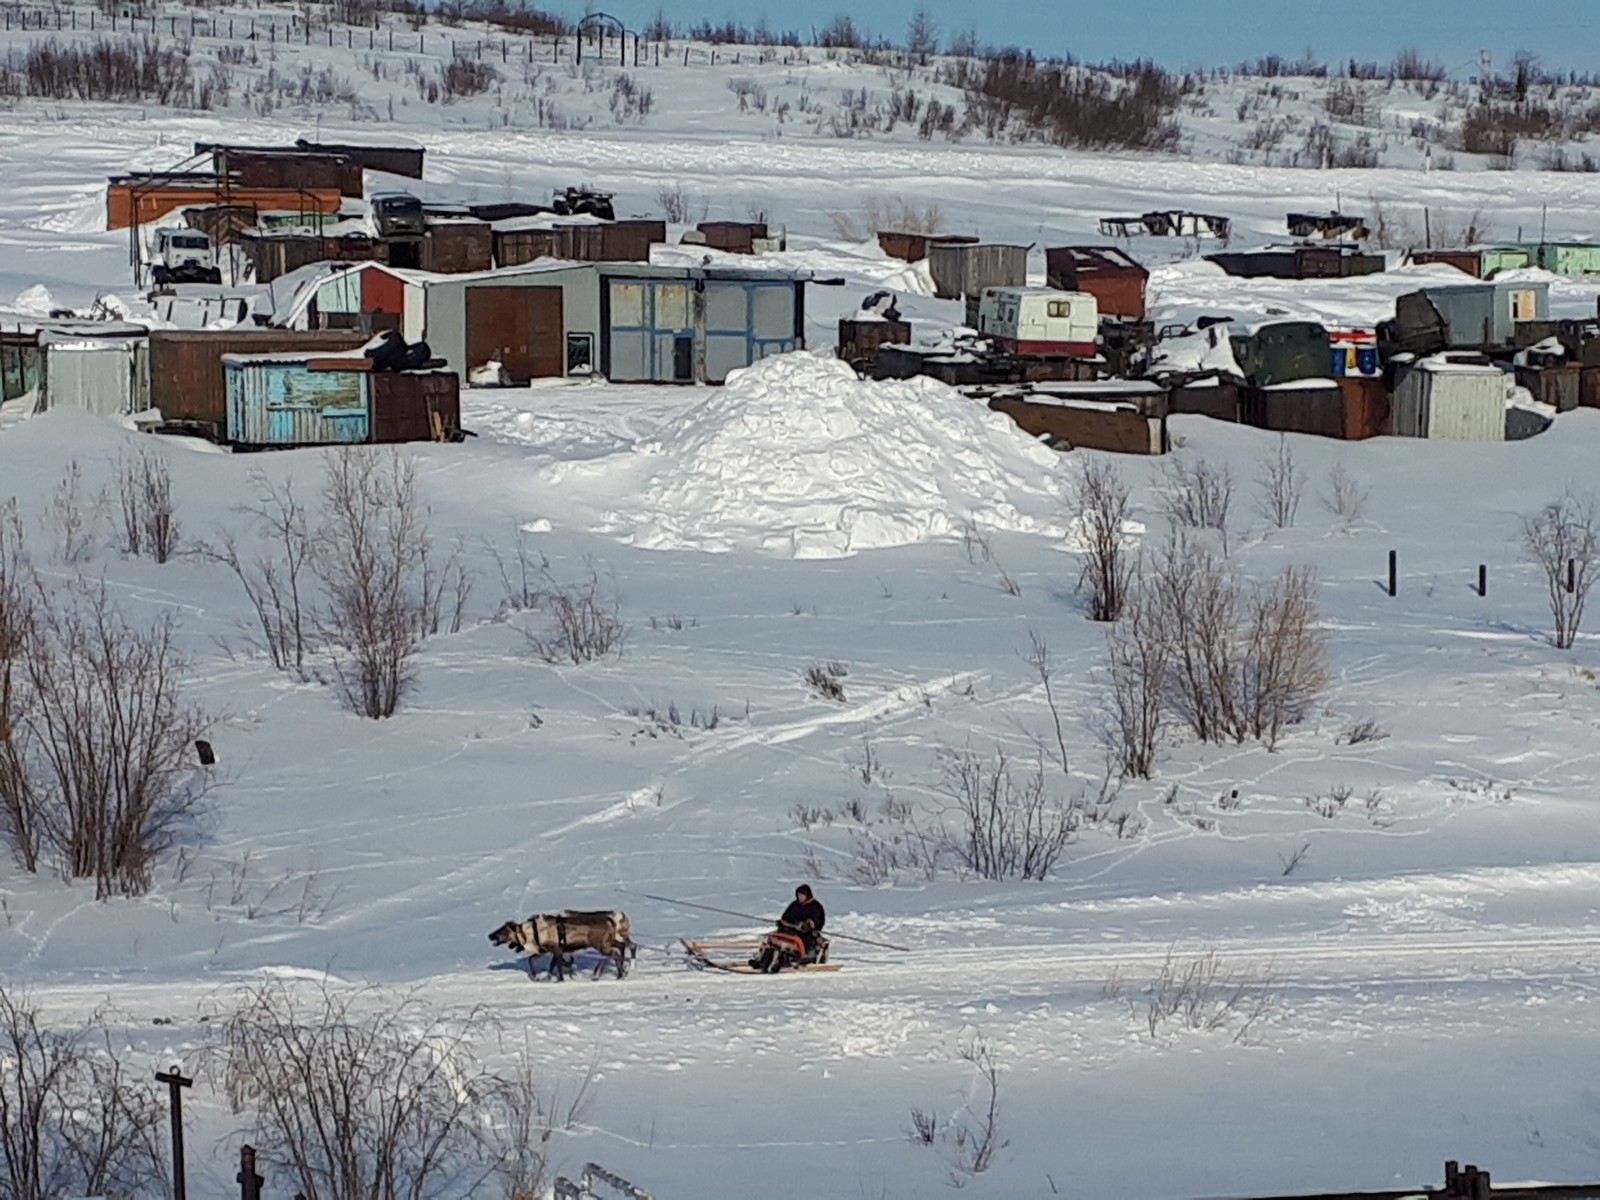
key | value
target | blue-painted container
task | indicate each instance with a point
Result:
(282, 401)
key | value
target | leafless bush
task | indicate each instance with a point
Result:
(18, 809)
(824, 680)
(1343, 496)
(108, 71)
(878, 214)
(370, 557)
(96, 768)
(1291, 862)
(840, 33)
(1284, 662)
(74, 1121)
(679, 207)
(1103, 509)
(1120, 106)
(1203, 995)
(1138, 661)
(1008, 826)
(73, 519)
(586, 624)
(924, 1127)
(1281, 485)
(144, 493)
(1198, 493)
(1562, 541)
(276, 577)
(977, 1139)
(1039, 659)
(463, 77)
(347, 1104)
(630, 101)
(1365, 730)
(520, 580)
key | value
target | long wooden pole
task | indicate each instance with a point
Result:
(728, 912)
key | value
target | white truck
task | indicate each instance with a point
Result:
(1040, 322)
(185, 256)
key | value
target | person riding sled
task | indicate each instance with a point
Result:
(797, 937)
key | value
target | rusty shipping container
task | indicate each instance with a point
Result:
(256, 167)
(406, 404)
(733, 237)
(394, 160)
(1119, 428)
(1349, 409)
(458, 247)
(186, 379)
(1114, 279)
(964, 269)
(512, 248)
(1559, 387)
(859, 340)
(1469, 261)
(1366, 407)
(913, 247)
(272, 255)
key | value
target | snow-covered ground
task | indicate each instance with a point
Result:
(1432, 943)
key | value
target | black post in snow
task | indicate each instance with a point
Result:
(249, 1182)
(1483, 579)
(176, 1082)
(1393, 562)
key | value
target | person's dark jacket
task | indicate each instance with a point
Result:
(800, 912)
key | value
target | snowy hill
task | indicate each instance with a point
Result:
(828, 594)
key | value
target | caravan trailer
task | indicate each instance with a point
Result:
(1040, 322)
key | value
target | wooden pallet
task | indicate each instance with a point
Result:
(734, 957)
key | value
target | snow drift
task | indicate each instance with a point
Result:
(797, 456)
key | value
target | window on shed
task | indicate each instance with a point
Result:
(1059, 308)
(627, 304)
(672, 306)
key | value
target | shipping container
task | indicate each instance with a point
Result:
(1450, 400)
(1303, 406)
(1559, 387)
(186, 376)
(1282, 352)
(458, 247)
(1218, 399)
(1366, 407)
(1298, 262)
(138, 200)
(1477, 315)
(913, 247)
(280, 401)
(393, 160)
(1469, 262)
(1576, 260)
(258, 167)
(1114, 279)
(859, 339)
(1041, 322)
(733, 237)
(1503, 258)
(964, 269)
(1070, 423)
(103, 375)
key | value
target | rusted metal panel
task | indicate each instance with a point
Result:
(522, 328)
(1589, 387)
(250, 166)
(222, 223)
(734, 237)
(1114, 279)
(859, 340)
(395, 160)
(1308, 406)
(1121, 430)
(1366, 406)
(1218, 400)
(913, 247)
(1469, 261)
(458, 247)
(135, 200)
(515, 247)
(965, 269)
(405, 403)
(275, 402)
(186, 378)
(1558, 387)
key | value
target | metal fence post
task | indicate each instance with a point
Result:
(176, 1082)
(249, 1182)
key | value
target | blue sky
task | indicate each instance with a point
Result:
(1565, 34)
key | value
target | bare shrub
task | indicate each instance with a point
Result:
(463, 77)
(74, 1121)
(73, 519)
(1134, 712)
(17, 586)
(1198, 494)
(879, 214)
(1281, 484)
(1561, 540)
(1203, 995)
(144, 493)
(924, 1127)
(346, 1104)
(1039, 660)
(108, 71)
(1008, 826)
(1365, 730)
(977, 1139)
(585, 618)
(1291, 861)
(1343, 496)
(679, 207)
(824, 680)
(276, 577)
(1284, 661)
(370, 557)
(1117, 106)
(840, 33)
(1101, 519)
(98, 758)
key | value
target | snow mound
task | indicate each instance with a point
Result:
(34, 300)
(797, 456)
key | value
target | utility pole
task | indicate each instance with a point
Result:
(176, 1082)
(1485, 73)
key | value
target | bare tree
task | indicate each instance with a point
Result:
(73, 519)
(98, 757)
(1198, 493)
(277, 578)
(370, 560)
(144, 494)
(1137, 664)
(353, 1106)
(1197, 604)
(977, 1140)
(1009, 827)
(73, 1119)
(1039, 660)
(1281, 485)
(922, 35)
(1284, 659)
(524, 1122)
(1101, 518)
(17, 586)
(1562, 541)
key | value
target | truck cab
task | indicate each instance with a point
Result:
(398, 214)
(185, 256)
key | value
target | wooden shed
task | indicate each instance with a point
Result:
(1299, 262)
(965, 268)
(286, 400)
(1351, 409)
(733, 237)
(1107, 273)
(913, 247)
(1468, 261)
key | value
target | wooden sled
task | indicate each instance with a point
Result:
(734, 955)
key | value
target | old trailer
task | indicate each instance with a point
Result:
(1039, 322)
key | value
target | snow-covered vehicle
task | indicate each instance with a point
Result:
(185, 256)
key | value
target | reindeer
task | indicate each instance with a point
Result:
(560, 935)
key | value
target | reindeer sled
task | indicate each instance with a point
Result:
(740, 956)
(560, 936)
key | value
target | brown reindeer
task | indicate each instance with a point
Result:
(560, 935)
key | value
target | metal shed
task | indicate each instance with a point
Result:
(965, 269)
(1281, 352)
(1107, 273)
(1495, 259)
(1451, 400)
(457, 246)
(1482, 315)
(104, 373)
(186, 376)
(283, 400)
(1574, 259)
(539, 320)
(1299, 262)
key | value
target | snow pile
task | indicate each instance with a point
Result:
(796, 456)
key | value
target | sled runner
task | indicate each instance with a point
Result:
(734, 955)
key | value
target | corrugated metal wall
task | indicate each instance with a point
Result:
(959, 269)
(186, 378)
(1461, 406)
(285, 404)
(105, 377)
